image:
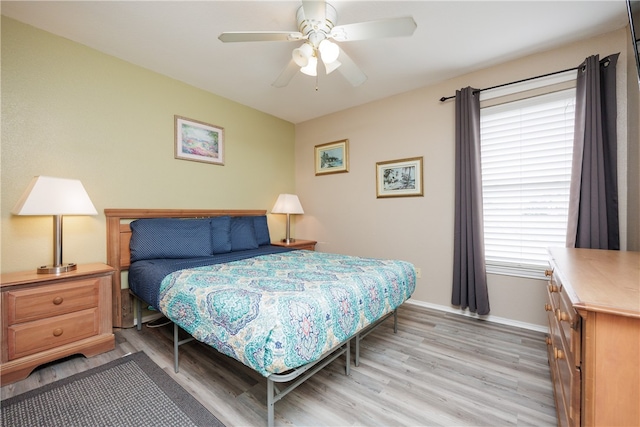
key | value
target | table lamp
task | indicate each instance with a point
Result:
(46, 195)
(287, 204)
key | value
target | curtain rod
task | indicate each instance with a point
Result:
(512, 83)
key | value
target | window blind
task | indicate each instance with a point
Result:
(526, 149)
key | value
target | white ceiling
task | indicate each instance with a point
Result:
(180, 39)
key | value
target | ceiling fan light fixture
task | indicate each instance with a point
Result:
(329, 51)
(302, 55)
(311, 69)
(339, 34)
(316, 20)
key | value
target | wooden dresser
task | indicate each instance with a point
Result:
(45, 317)
(593, 309)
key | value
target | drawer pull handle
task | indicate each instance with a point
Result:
(57, 332)
(548, 273)
(559, 354)
(547, 307)
(553, 288)
(548, 340)
(58, 300)
(561, 315)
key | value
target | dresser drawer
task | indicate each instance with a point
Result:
(39, 303)
(32, 337)
(568, 319)
(567, 384)
(570, 323)
(564, 374)
(564, 351)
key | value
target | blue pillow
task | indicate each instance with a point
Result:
(153, 238)
(243, 235)
(221, 234)
(262, 230)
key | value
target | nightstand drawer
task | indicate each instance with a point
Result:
(39, 303)
(309, 245)
(32, 337)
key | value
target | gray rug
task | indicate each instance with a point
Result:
(130, 391)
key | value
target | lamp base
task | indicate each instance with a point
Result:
(57, 269)
(288, 240)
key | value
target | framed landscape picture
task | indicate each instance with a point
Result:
(332, 157)
(198, 141)
(399, 178)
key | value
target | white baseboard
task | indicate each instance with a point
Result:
(148, 318)
(488, 317)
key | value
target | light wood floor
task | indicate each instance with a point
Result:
(440, 369)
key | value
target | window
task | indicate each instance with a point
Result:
(526, 150)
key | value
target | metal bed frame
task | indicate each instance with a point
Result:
(298, 375)
(118, 256)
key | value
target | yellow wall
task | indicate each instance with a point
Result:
(73, 112)
(344, 215)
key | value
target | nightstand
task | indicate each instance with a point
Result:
(46, 317)
(309, 245)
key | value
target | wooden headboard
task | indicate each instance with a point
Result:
(119, 255)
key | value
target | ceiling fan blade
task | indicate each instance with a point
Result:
(350, 70)
(394, 27)
(314, 10)
(286, 75)
(260, 36)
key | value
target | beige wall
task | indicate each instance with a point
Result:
(633, 172)
(343, 214)
(72, 112)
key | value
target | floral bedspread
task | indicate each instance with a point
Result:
(278, 312)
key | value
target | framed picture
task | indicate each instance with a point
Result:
(198, 141)
(399, 178)
(332, 157)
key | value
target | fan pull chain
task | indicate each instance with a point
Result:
(316, 82)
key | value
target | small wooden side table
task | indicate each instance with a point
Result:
(309, 245)
(46, 317)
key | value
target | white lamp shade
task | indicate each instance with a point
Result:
(287, 204)
(328, 51)
(46, 195)
(302, 54)
(311, 68)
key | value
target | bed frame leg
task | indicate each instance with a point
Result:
(139, 313)
(347, 356)
(395, 321)
(357, 358)
(270, 404)
(175, 347)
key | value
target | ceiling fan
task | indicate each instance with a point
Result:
(316, 30)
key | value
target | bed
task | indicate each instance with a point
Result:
(284, 313)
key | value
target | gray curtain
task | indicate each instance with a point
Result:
(593, 198)
(469, 272)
